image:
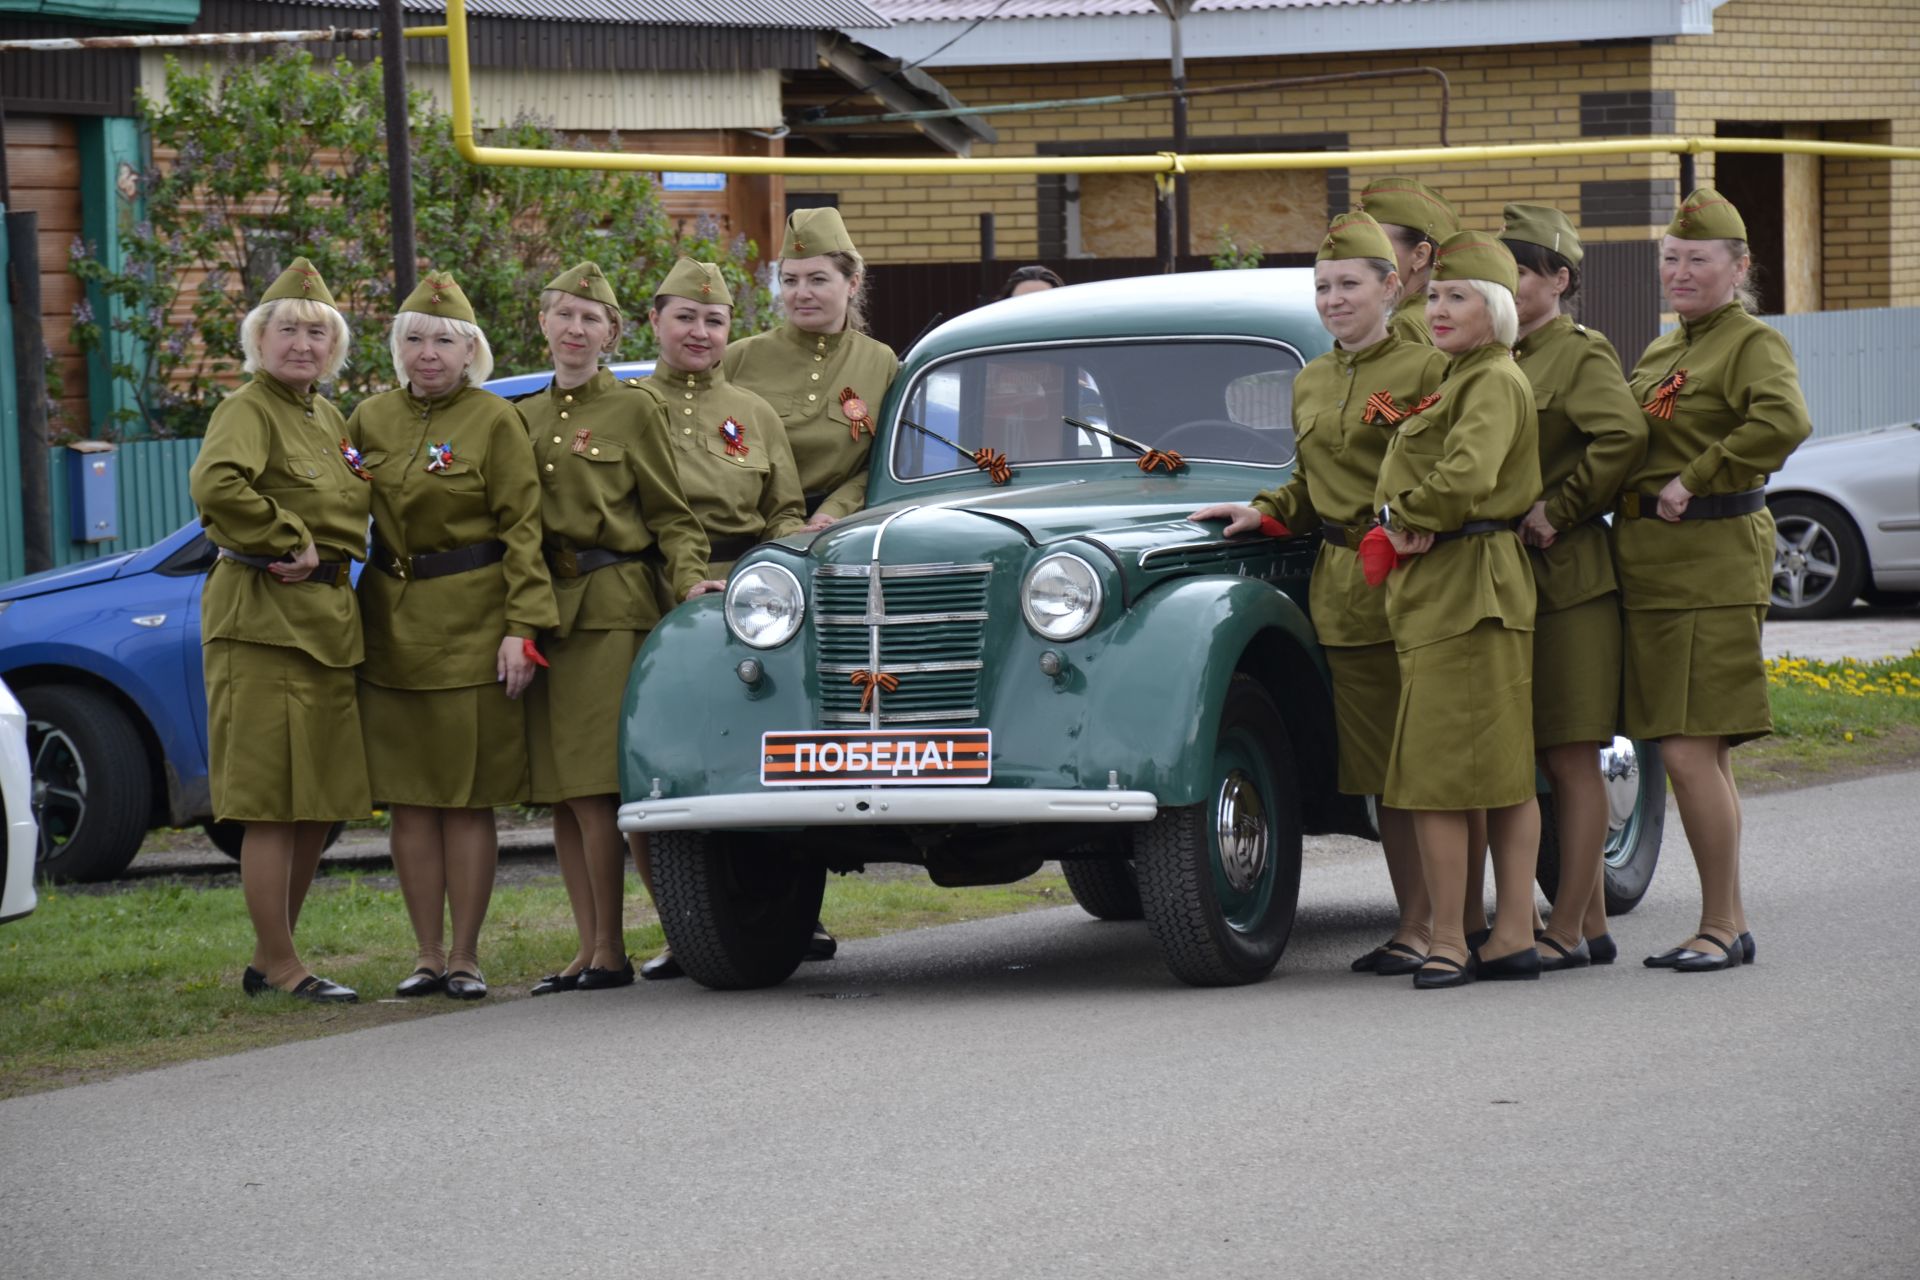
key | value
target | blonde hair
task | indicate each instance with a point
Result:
(1500, 309)
(408, 323)
(849, 265)
(301, 311)
(550, 298)
(1743, 291)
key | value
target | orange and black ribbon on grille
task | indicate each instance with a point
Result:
(1380, 408)
(871, 680)
(988, 460)
(1661, 406)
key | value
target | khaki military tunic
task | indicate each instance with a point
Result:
(802, 375)
(749, 491)
(1341, 440)
(607, 480)
(439, 727)
(283, 723)
(1592, 435)
(1695, 591)
(1409, 320)
(1462, 612)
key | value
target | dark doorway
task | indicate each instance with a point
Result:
(1756, 185)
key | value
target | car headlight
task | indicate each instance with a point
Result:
(1061, 597)
(765, 605)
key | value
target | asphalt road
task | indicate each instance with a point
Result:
(1035, 1097)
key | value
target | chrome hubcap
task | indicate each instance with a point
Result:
(1241, 830)
(1806, 560)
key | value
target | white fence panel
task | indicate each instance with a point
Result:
(1859, 369)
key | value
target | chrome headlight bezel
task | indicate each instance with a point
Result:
(778, 578)
(1051, 628)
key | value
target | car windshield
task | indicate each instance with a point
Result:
(1229, 399)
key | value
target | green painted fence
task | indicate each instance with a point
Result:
(151, 481)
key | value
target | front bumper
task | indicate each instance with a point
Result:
(868, 806)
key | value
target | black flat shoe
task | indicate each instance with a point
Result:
(592, 979)
(1579, 957)
(1728, 957)
(1603, 949)
(661, 968)
(321, 991)
(1454, 974)
(465, 984)
(1521, 966)
(1397, 960)
(1478, 938)
(555, 982)
(421, 982)
(1746, 948)
(1665, 959)
(253, 982)
(822, 947)
(1369, 962)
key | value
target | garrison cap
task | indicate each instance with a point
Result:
(1476, 255)
(696, 282)
(1542, 225)
(1408, 202)
(812, 232)
(1354, 235)
(438, 295)
(1707, 215)
(586, 280)
(299, 280)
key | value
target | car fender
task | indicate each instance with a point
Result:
(1179, 647)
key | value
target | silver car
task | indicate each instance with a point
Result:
(1847, 515)
(17, 831)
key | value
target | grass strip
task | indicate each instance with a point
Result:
(1833, 720)
(96, 985)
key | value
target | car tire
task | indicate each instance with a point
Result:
(1636, 782)
(92, 793)
(736, 916)
(1819, 561)
(1105, 888)
(226, 836)
(1224, 919)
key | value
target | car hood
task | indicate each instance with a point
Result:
(66, 578)
(1884, 446)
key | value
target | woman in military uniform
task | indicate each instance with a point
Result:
(1462, 468)
(457, 595)
(823, 375)
(728, 446)
(1694, 542)
(1591, 435)
(282, 496)
(1345, 405)
(1416, 219)
(615, 516)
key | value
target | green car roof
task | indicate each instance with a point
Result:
(1273, 302)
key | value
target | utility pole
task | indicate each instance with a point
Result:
(1174, 221)
(393, 66)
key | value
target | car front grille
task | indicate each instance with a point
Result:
(928, 623)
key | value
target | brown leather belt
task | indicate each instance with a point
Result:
(436, 564)
(1471, 528)
(578, 562)
(1706, 506)
(728, 547)
(328, 573)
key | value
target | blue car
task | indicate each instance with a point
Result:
(105, 659)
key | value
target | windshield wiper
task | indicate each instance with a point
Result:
(1150, 459)
(988, 460)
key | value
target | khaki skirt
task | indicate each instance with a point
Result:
(1697, 673)
(445, 748)
(283, 736)
(1463, 738)
(573, 714)
(1576, 673)
(1366, 702)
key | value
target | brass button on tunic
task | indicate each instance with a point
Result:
(283, 723)
(774, 365)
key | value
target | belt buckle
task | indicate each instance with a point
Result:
(1630, 504)
(397, 566)
(566, 563)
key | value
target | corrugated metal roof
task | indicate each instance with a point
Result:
(968, 10)
(810, 15)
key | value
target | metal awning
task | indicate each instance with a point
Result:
(854, 77)
(811, 15)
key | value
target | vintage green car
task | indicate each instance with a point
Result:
(1024, 651)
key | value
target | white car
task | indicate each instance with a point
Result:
(16, 811)
(1846, 511)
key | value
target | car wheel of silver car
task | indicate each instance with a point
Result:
(1819, 562)
(1636, 784)
(92, 795)
(1219, 880)
(737, 911)
(1105, 888)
